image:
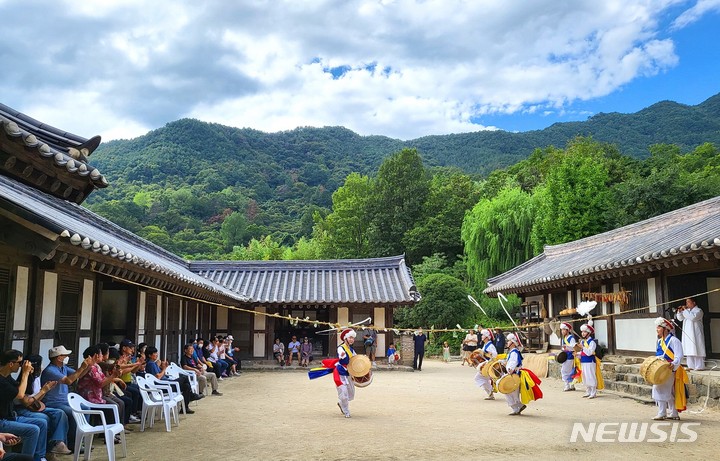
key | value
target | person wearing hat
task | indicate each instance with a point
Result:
(58, 370)
(489, 352)
(590, 364)
(670, 395)
(513, 365)
(693, 336)
(339, 369)
(567, 369)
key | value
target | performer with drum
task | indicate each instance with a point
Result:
(590, 364)
(525, 384)
(339, 368)
(669, 395)
(567, 369)
(488, 352)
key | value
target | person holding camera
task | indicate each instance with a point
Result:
(693, 336)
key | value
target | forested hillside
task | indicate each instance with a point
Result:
(202, 189)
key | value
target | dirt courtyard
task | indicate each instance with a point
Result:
(438, 413)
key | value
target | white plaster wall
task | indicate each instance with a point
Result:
(554, 339)
(713, 283)
(49, 302)
(83, 344)
(259, 345)
(635, 334)
(379, 322)
(45, 346)
(142, 302)
(616, 305)
(19, 345)
(715, 335)
(160, 312)
(21, 298)
(652, 297)
(87, 305)
(601, 331)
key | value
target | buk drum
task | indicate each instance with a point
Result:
(363, 381)
(655, 370)
(493, 369)
(508, 383)
(476, 357)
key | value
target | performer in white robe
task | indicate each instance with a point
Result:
(693, 336)
(567, 369)
(670, 348)
(489, 353)
(513, 365)
(588, 362)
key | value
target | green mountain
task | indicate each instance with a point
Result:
(189, 175)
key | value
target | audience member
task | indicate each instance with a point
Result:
(156, 369)
(305, 352)
(293, 350)
(58, 371)
(188, 362)
(279, 351)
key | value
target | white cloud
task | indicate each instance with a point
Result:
(120, 68)
(691, 15)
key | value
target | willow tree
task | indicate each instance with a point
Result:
(496, 234)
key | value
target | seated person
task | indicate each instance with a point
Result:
(279, 351)
(293, 350)
(9, 440)
(32, 431)
(59, 371)
(188, 362)
(57, 420)
(158, 370)
(90, 386)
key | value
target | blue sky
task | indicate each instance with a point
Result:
(399, 68)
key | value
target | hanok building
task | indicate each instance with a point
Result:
(637, 272)
(70, 277)
(337, 291)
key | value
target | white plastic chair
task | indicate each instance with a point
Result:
(85, 432)
(171, 387)
(155, 399)
(174, 371)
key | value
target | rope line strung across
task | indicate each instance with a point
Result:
(406, 331)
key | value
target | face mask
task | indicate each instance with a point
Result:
(200, 344)
(66, 360)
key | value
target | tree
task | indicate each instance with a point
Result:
(399, 193)
(343, 233)
(444, 303)
(573, 201)
(234, 230)
(450, 196)
(497, 234)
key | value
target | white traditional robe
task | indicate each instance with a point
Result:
(489, 352)
(693, 336)
(664, 394)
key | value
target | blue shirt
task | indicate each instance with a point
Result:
(420, 342)
(153, 368)
(57, 396)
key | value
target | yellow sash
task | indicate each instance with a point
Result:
(598, 368)
(681, 379)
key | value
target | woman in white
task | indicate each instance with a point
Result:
(469, 345)
(489, 353)
(670, 348)
(693, 337)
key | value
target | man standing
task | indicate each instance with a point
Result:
(693, 337)
(499, 341)
(419, 340)
(671, 350)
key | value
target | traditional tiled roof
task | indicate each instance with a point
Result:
(47, 158)
(333, 282)
(683, 236)
(95, 236)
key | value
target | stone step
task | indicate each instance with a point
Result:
(633, 390)
(630, 378)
